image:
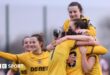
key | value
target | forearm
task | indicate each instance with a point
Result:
(97, 50)
(8, 56)
(87, 61)
(75, 37)
(80, 37)
(86, 43)
(85, 64)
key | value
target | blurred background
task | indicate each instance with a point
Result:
(19, 18)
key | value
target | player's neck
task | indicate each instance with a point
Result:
(37, 52)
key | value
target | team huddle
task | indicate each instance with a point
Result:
(73, 51)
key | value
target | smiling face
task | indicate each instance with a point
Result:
(35, 44)
(72, 58)
(71, 61)
(74, 12)
(26, 44)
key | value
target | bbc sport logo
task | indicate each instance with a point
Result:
(8, 66)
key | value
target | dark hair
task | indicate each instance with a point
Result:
(81, 23)
(40, 39)
(73, 52)
(76, 4)
(56, 33)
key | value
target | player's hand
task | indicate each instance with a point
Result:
(83, 50)
(50, 47)
(58, 41)
(83, 31)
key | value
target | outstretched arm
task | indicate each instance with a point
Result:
(8, 56)
(97, 50)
